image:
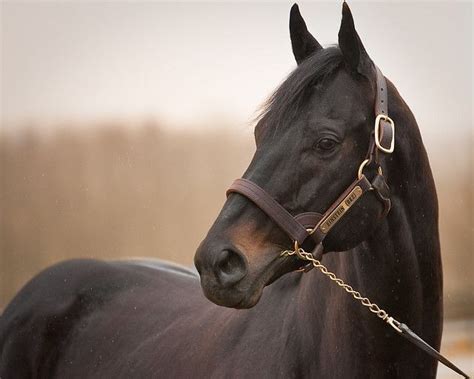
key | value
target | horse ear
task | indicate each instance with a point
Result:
(302, 42)
(350, 44)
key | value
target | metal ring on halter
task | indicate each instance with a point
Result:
(308, 266)
(362, 166)
(297, 250)
(311, 230)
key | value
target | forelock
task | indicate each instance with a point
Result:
(284, 104)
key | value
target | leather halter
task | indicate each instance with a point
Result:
(314, 226)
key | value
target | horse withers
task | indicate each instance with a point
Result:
(89, 318)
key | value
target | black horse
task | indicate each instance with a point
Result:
(87, 318)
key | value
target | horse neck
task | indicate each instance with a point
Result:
(415, 201)
(413, 225)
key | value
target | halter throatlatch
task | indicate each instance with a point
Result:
(315, 227)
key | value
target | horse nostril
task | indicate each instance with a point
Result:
(230, 267)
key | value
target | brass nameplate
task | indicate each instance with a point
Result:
(342, 208)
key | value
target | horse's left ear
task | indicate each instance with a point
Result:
(351, 46)
(302, 41)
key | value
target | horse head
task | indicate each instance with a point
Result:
(311, 138)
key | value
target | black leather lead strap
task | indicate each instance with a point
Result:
(411, 336)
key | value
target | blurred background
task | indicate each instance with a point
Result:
(116, 116)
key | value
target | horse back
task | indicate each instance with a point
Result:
(39, 321)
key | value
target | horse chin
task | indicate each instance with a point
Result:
(250, 301)
(237, 297)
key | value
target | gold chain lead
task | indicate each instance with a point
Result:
(374, 308)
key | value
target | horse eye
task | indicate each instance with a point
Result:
(326, 144)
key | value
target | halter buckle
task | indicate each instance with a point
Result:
(387, 119)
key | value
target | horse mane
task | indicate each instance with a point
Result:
(285, 102)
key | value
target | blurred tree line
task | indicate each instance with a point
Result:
(116, 191)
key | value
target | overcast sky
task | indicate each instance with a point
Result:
(194, 63)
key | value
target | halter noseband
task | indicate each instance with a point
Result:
(312, 225)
